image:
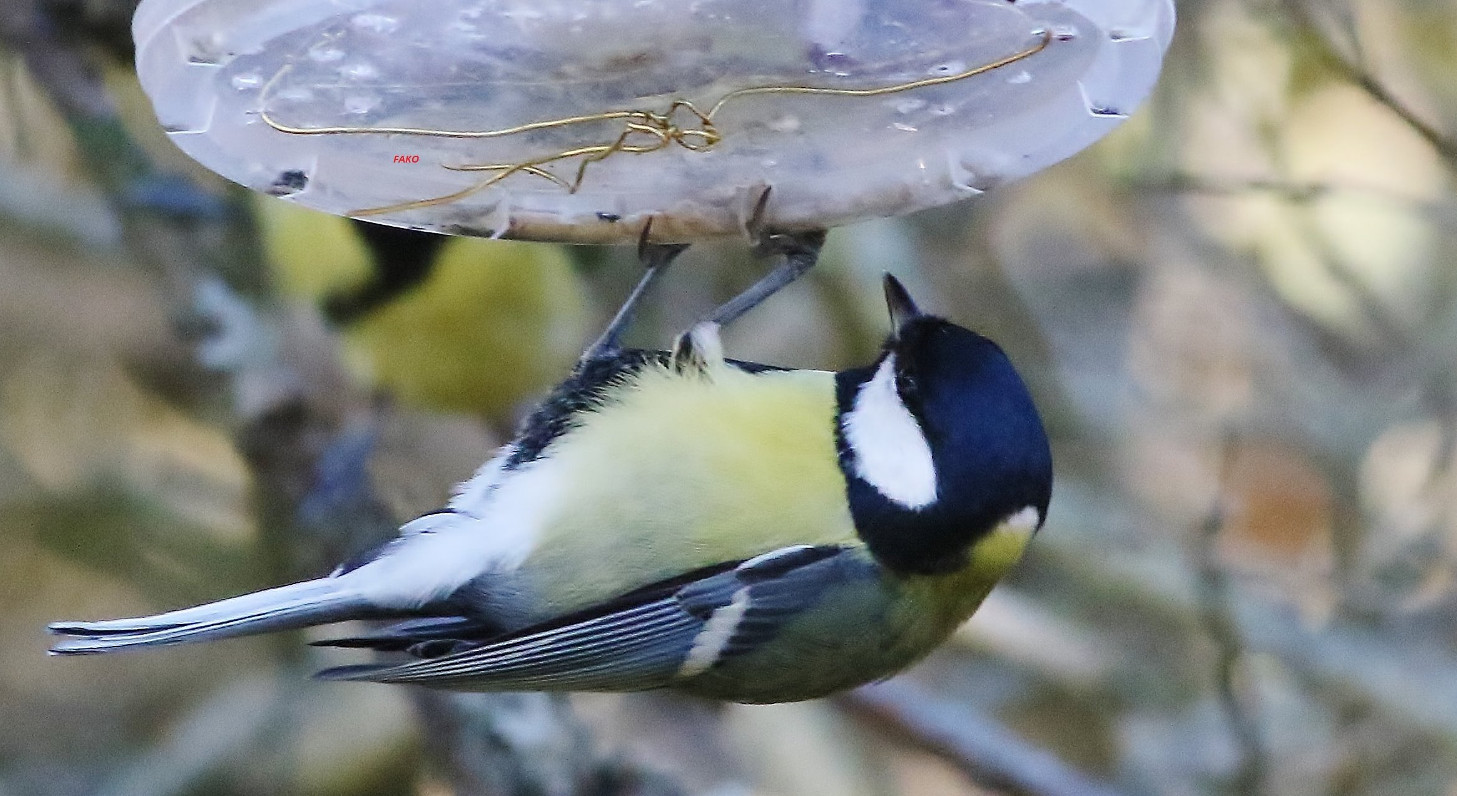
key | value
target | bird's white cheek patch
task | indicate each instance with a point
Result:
(891, 453)
(1025, 521)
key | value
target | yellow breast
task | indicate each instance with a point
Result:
(680, 471)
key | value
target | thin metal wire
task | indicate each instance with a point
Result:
(654, 130)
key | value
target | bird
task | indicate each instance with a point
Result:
(420, 316)
(683, 520)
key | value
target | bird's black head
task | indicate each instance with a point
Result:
(939, 442)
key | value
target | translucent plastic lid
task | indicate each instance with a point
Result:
(576, 120)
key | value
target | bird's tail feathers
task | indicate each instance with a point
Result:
(312, 602)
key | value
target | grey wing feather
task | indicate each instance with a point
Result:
(779, 586)
(412, 633)
(635, 648)
(636, 645)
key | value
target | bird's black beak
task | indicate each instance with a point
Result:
(902, 307)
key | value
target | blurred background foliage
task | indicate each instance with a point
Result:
(1238, 312)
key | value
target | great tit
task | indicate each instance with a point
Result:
(681, 520)
(419, 313)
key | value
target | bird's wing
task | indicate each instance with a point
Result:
(643, 640)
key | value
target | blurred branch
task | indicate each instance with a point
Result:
(1350, 387)
(1385, 323)
(68, 79)
(1441, 213)
(987, 751)
(215, 730)
(1182, 183)
(1411, 680)
(106, 24)
(1350, 67)
(524, 743)
(1215, 603)
(50, 209)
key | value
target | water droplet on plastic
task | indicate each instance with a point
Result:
(969, 176)
(1021, 78)
(379, 23)
(246, 81)
(325, 54)
(359, 71)
(903, 127)
(908, 105)
(360, 103)
(786, 123)
(1123, 34)
(205, 50)
(523, 13)
(833, 62)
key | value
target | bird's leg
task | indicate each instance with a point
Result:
(801, 251)
(655, 257)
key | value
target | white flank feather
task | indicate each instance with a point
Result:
(891, 453)
(764, 558)
(470, 496)
(428, 563)
(709, 643)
